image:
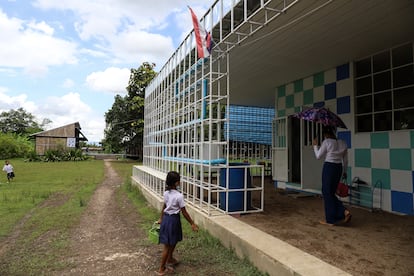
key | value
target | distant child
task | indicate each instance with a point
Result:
(8, 168)
(170, 230)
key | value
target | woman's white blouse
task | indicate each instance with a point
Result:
(334, 151)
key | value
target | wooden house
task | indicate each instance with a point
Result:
(66, 137)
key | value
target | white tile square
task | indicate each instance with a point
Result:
(308, 83)
(289, 89)
(361, 140)
(331, 105)
(363, 174)
(290, 111)
(400, 139)
(376, 199)
(344, 88)
(318, 94)
(281, 103)
(386, 201)
(380, 158)
(298, 99)
(348, 119)
(330, 76)
(351, 160)
(401, 181)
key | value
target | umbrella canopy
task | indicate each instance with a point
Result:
(321, 115)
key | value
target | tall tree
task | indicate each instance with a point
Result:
(125, 120)
(20, 122)
(116, 127)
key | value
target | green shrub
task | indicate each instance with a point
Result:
(14, 146)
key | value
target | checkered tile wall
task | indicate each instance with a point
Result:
(382, 159)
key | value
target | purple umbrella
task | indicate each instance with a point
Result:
(320, 115)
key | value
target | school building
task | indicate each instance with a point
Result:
(224, 121)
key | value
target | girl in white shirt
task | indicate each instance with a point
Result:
(170, 230)
(335, 153)
(8, 168)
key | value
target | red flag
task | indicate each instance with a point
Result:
(203, 38)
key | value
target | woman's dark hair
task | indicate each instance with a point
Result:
(328, 131)
(172, 178)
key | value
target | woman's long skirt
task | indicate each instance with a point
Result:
(334, 209)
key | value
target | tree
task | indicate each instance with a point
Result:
(16, 126)
(139, 80)
(20, 122)
(125, 120)
(116, 127)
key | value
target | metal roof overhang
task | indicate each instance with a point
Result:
(313, 36)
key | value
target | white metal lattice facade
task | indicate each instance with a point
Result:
(186, 110)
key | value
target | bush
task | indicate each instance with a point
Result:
(14, 146)
(61, 154)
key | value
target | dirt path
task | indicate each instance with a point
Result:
(108, 240)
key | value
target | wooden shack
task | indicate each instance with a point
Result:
(66, 137)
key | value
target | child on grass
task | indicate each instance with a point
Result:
(170, 230)
(8, 168)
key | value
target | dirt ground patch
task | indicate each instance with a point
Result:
(373, 243)
(108, 240)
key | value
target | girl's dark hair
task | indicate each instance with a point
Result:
(172, 178)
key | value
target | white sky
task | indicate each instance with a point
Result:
(65, 60)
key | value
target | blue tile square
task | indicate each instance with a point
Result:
(346, 136)
(343, 105)
(319, 104)
(342, 72)
(402, 202)
(412, 179)
(330, 91)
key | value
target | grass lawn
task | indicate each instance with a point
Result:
(67, 186)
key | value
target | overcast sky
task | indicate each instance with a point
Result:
(65, 60)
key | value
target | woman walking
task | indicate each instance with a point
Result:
(335, 153)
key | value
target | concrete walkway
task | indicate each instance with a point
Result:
(267, 253)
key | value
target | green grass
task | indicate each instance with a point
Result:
(65, 185)
(200, 249)
(43, 242)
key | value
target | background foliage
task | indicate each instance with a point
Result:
(125, 119)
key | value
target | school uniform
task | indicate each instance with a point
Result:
(171, 230)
